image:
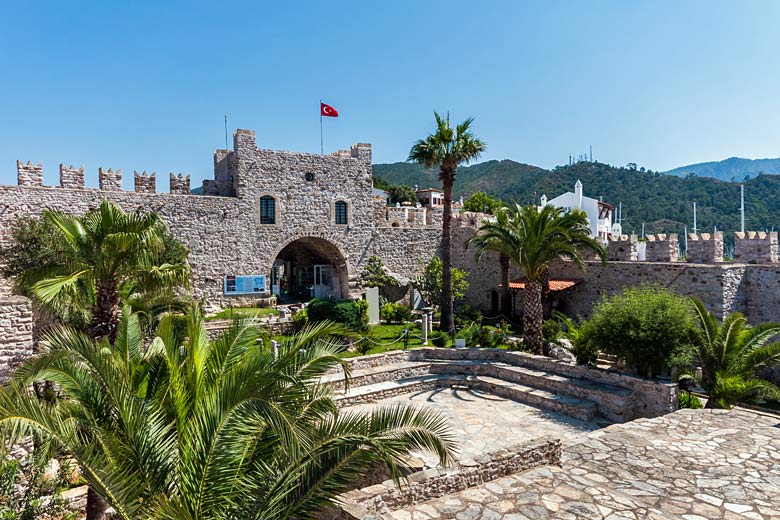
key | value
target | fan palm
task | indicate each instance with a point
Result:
(100, 255)
(187, 428)
(533, 238)
(730, 355)
(447, 148)
(496, 235)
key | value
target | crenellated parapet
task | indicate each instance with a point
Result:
(705, 248)
(145, 183)
(110, 180)
(180, 184)
(71, 177)
(756, 247)
(623, 249)
(361, 151)
(471, 219)
(661, 248)
(29, 174)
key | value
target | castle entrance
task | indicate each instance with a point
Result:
(309, 268)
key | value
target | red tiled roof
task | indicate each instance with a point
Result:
(556, 284)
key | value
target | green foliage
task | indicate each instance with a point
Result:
(467, 315)
(400, 193)
(660, 201)
(686, 400)
(27, 493)
(429, 282)
(551, 330)
(301, 319)
(438, 339)
(481, 202)
(730, 354)
(395, 313)
(187, 428)
(347, 312)
(584, 350)
(470, 334)
(375, 274)
(645, 326)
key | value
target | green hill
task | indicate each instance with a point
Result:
(731, 169)
(662, 202)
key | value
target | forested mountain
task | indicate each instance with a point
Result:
(731, 169)
(662, 202)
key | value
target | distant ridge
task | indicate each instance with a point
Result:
(733, 169)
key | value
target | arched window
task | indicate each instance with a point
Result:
(267, 210)
(341, 212)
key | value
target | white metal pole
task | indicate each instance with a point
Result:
(695, 229)
(742, 206)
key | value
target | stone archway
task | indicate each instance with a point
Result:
(309, 267)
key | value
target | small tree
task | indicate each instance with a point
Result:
(375, 274)
(481, 202)
(429, 282)
(401, 193)
(643, 325)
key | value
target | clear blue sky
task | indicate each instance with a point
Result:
(142, 85)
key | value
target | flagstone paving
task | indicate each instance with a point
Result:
(483, 422)
(689, 465)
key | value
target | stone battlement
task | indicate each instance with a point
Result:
(661, 248)
(30, 175)
(705, 248)
(756, 247)
(623, 249)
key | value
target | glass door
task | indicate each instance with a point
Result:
(323, 281)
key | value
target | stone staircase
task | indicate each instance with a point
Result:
(577, 397)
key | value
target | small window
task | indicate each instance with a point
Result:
(267, 210)
(341, 212)
(309, 177)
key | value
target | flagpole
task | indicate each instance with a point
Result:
(322, 147)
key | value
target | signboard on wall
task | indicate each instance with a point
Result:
(247, 284)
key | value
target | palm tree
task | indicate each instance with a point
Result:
(533, 238)
(730, 354)
(447, 148)
(100, 256)
(187, 428)
(497, 235)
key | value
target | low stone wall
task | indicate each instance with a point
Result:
(16, 334)
(275, 327)
(370, 502)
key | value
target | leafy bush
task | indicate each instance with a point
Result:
(25, 488)
(467, 315)
(395, 313)
(551, 330)
(686, 400)
(300, 319)
(585, 350)
(437, 338)
(387, 312)
(646, 326)
(350, 313)
(470, 334)
(488, 338)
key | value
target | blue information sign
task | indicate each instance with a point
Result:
(249, 284)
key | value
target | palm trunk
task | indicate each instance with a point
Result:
(447, 323)
(105, 314)
(546, 304)
(96, 506)
(506, 295)
(533, 316)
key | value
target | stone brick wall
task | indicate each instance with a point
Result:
(180, 184)
(110, 180)
(145, 183)
(623, 249)
(29, 174)
(71, 177)
(661, 248)
(756, 247)
(705, 248)
(16, 330)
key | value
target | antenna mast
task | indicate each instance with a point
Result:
(742, 206)
(694, 220)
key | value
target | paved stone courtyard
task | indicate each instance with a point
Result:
(483, 422)
(691, 465)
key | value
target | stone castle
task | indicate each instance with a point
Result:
(309, 222)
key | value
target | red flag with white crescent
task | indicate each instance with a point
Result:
(327, 110)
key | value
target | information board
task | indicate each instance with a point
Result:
(247, 284)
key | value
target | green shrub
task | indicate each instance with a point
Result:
(362, 310)
(487, 338)
(300, 319)
(402, 313)
(437, 338)
(686, 400)
(646, 326)
(387, 312)
(551, 330)
(467, 315)
(470, 334)
(348, 312)
(24, 486)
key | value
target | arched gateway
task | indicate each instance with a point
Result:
(309, 267)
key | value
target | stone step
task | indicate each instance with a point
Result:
(612, 401)
(378, 374)
(374, 392)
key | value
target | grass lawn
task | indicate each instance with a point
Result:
(243, 312)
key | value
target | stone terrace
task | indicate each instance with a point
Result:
(689, 465)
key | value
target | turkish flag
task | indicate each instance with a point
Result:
(327, 110)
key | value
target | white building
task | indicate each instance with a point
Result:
(599, 213)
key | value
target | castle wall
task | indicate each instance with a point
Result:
(16, 325)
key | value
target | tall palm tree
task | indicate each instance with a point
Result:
(447, 148)
(497, 235)
(101, 255)
(187, 428)
(533, 238)
(730, 354)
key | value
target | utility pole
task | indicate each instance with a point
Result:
(742, 206)
(695, 230)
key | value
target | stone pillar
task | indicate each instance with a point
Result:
(71, 177)
(424, 329)
(705, 248)
(110, 180)
(145, 183)
(180, 184)
(29, 174)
